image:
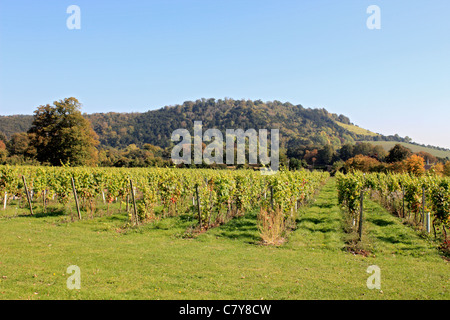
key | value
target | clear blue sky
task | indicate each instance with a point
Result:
(143, 55)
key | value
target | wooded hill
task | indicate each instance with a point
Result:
(297, 125)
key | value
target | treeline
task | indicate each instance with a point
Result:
(59, 134)
(14, 124)
(367, 157)
(297, 125)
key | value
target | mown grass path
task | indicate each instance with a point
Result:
(320, 225)
(155, 262)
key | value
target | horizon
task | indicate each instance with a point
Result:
(140, 56)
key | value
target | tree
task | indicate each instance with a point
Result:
(379, 153)
(415, 165)
(155, 150)
(438, 169)
(296, 164)
(310, 156)
(363, 148)
(362, 163)
(346, 152)
(3, 155)
(61, 135)
(397, 167)
(3, 152)
(398, 153)
(447, 169)
(338, 166)
(19, 144)
(325, 154)
(429, 158)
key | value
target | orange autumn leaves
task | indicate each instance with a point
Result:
(414, 164)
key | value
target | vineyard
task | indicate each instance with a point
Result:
(214, 197)
(165, 233)
(210, 197)
(421, 201)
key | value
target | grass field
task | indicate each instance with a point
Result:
(356, 129)
(387, 145)
(156, 262)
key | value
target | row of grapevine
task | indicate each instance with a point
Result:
(222, 194)
(405, 195)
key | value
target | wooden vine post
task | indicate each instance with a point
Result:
(403, 201)
(44, 202)
(361, 207)
(76, 198)
(198, 207)
(423, 205)
(271, 197)
(28, 194)
(136, 219)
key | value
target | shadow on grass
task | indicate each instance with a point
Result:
(321, 230)
(312, 220)
(396, 239)
(116, 217)
(51, 212)
(241, 228)
(188, 218)
(380, 222)
(325, 205)
(391, 239)
(319, 224)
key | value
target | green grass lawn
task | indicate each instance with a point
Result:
(156, 262)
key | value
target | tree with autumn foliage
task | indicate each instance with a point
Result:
(3, 151)
(447, 169)
(397, 167)
(61, 135)
(438, 169)
(429, 158)
(362, 163)
(415, 165)
(311, 156)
